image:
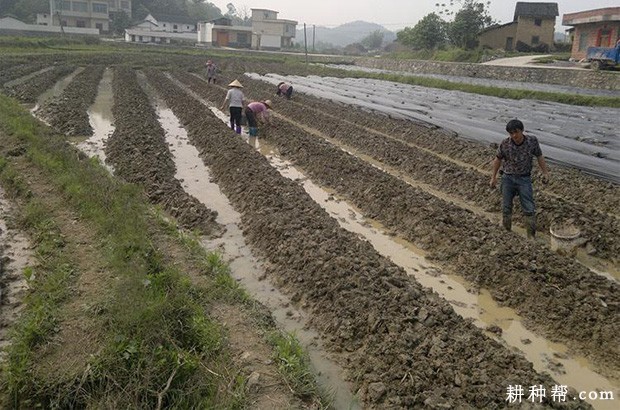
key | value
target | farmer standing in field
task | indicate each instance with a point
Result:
(514, 157)
(235, 100)
(211, 70)
(255, 112)
(285, 90)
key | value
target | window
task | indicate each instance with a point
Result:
(242, 38)
(66, 5)
(80, 23)
(174, 27)
(99, 26)
(583, 41)
(535, 40)
(63, 23)
(125, 5)
(100, 8)
(538, 22)
(80, 6)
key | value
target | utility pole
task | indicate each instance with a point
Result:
(306, 43)
(313, 36)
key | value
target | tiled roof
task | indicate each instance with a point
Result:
(524, 9)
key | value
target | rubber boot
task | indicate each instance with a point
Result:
(507, 221)
(238, 129)
(530, 226)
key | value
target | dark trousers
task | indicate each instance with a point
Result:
(249, 114)
(235, 117)
(289, 92)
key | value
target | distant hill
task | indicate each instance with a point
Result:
(343, 35)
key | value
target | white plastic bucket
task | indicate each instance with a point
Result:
(564, 236)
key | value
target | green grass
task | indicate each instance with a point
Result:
(564, 98)
(162, 349)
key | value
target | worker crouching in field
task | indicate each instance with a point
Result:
(211, 71)
(255, 112)
(235, 100)
(514, 157)
(285, 90)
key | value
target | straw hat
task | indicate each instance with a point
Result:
(268, 103)
(235, 83)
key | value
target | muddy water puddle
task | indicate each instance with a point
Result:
(101, 120)
(56, 90)
(479, 306)
(195, 177)
(596, 265)
(15, 256)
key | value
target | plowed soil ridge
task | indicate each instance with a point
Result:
(138, 151)
(557, 296)
(403, 345)
(28, 91)
(67, 113)
(600, 228)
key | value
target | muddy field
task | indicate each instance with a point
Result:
(400, 344)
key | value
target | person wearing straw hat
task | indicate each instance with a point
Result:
(257, 111)
(211, 70)
(235, 100)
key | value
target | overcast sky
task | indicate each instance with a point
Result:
(394, 15)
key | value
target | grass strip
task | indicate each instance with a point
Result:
(161, 343)
(564, 98)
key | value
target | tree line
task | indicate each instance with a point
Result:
(435, 32)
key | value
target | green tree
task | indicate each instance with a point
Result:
(119, 22)
(374, 40)
(429, 33)
(468, 22)
(24, 10)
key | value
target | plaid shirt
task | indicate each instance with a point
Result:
(517, 159)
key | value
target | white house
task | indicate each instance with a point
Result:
(267, 32)
(159, 28)
(270, 32)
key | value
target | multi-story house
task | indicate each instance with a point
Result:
(533, 26)
(267, 32)
(87, 13)
(270, 32)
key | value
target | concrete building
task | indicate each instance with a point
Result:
(267, 32)
(13, 26)
(86, 13)
(533, 26)
(221, 32)
(593, 28)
